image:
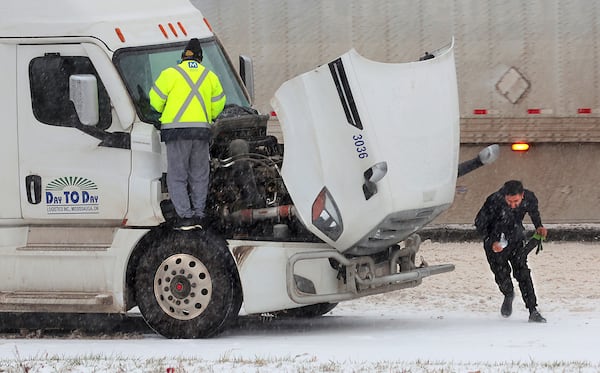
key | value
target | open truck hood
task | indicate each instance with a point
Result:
(371, 149)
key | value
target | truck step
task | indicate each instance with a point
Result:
(54, 301)
(68, 239)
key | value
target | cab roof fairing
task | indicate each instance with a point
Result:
(138, 21)
(410, 118)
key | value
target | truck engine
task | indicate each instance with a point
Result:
(247, 196)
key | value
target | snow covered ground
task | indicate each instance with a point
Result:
(451, 323)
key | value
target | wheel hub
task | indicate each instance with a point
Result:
(182, 286)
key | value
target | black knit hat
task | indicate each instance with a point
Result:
(193, 50)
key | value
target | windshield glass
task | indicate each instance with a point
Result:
(139, 68)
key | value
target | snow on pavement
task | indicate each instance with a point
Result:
(451, 322)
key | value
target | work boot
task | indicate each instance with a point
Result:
(535, 316)
(506, 309)
(187, 224)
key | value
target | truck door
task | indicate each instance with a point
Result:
(65, 173)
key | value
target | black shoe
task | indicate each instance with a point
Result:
(187, 224)
(534, 316)
(506, 309)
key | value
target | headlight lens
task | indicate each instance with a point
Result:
(326, 216)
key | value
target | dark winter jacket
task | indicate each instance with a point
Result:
(496, 217)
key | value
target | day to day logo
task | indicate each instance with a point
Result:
(72, 195)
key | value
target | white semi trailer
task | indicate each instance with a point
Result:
(528, 71)
(85, 218)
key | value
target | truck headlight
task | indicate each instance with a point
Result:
(326, 216)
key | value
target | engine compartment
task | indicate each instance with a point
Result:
(247, 196)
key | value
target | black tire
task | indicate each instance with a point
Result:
(187, 285)
(306, 312)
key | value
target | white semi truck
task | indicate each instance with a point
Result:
(371, 156)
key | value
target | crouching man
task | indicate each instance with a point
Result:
(500, 223)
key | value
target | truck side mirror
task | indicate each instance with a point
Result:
(247, 75)
(83, 92)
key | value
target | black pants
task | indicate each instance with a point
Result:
(514, 256)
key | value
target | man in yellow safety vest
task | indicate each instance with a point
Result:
(189, 97)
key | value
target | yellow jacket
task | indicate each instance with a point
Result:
(190, 97)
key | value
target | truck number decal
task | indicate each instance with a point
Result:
(359, 144)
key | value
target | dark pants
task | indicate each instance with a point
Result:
(188, 171)
(515, 256)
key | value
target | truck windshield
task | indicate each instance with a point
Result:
(140, 66)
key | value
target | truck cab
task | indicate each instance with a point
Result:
(83, 163)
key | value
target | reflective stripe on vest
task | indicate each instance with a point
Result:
(159, 92)
(175, 123)
(218, 98)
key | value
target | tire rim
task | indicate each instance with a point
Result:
(182, 286)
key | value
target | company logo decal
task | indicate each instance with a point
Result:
(72, 195)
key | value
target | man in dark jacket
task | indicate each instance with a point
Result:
(500, 223)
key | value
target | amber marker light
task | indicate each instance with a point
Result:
(164, 32)
(520, 147)
(120, 34)
(182, 28)
(208, 25)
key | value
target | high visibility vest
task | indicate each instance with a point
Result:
(188, 95)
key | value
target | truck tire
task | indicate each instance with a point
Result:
(187, 285)
(307, 312)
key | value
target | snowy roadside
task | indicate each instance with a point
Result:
(450, 323)
(576, 232)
